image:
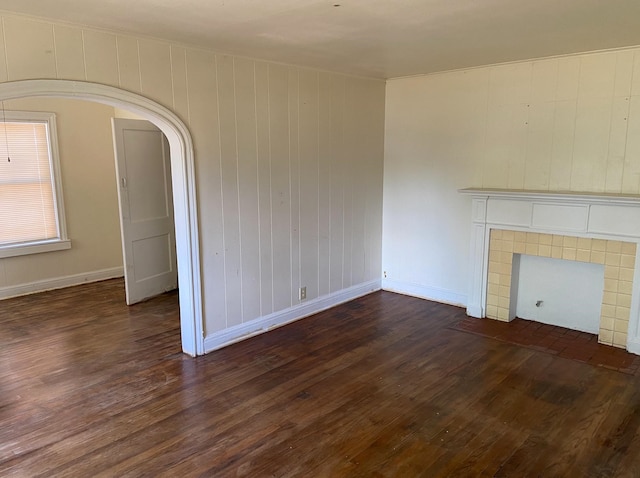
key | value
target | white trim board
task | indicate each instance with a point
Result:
(633, 345)
(225, 337)
(435, 294)
(60, 282)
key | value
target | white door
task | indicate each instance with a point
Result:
(146, 209)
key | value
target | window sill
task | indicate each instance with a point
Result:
(12, 250)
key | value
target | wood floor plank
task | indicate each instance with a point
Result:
(380, 386)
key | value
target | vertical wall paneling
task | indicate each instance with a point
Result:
(372, 160)
(245, 98)
(179, 82)
(69, 52)
(544, 81)
(544, 77)
(517, 140)
(597, 75)
(155, 71)
(495, 171)
(101, 57)
(624, 73)
(360, 175)
(30, 49)
(294, 175)
(338, 183)
(263, 152)
(568, 78)
(510, 84)
(288, 164)
(350, 188)
(617, 144)
(129, 63)
(280, 185)
(230, 198)
(591, 143)
(309, 179)
(635, 77)
(324, 183)
(471, 106)
(561, 164)
(539, 145)
(203, 124)
(3, 56)
(509, 98)
(631, 172)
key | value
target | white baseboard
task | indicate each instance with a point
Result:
(260, 325)
(475, 311)
(60, 282)
(424, 292)
(633, 345)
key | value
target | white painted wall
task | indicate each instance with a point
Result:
(288, 160)
(561, 124)
(570, 291)
(90, 196)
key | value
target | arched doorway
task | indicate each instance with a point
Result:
(183, 181)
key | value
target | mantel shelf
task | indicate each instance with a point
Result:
(554, 196)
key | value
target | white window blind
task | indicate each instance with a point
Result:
(31, 212)
(27, 205)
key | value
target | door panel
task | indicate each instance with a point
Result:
(146, 209)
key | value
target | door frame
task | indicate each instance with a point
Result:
(182, 179)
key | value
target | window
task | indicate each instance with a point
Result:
(31, 209)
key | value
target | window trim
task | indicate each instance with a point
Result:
(34, 247)
(62, 242)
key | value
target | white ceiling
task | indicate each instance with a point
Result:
(377, 38)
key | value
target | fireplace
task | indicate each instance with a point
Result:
(618, 258)
(599, 229)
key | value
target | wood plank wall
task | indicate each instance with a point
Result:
(288, 159)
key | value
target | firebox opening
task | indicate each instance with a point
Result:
(569, 293)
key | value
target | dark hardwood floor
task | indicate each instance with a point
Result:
(380, 386)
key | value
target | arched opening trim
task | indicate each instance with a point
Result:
(183, 182)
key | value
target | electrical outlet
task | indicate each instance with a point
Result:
(303, 293)
(385, 274)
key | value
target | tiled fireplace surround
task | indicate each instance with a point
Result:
(617, 257)
(600, 229)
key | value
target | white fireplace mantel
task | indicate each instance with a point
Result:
(597, 216)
